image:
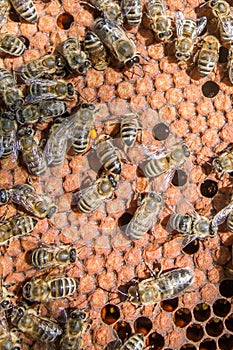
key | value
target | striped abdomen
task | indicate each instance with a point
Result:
(26, 10)
(62, 287)
(11, 45)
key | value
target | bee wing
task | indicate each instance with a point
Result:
(34, 99)
(179, 23)
(220, 217)
(201, 23)
(227, 25)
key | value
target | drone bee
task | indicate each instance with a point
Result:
(25, 195)
(4, 11)
(132, 9)
(76, 58)
(8, 129)
(74, 328)
(32, 155)
(11, 45)
(11, 94)
(111, 10)
(145, 216)
(224, 162)
(43, 289)
(187, 32)
(96, 51)
(26, 9)
(93, 196)
(114, 37)
(49, 89)
(107, 154)
(208, 55)
(135, 342)
(130, 125)
(159, 21)
(37, 328)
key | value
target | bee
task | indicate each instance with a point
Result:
(74, 328)
(43, 289)
(51, 256)
(145, 216)
(45, 66)
(107, 154)
(187, 32)
(11, 94)
(96, 51)
(114, 37)
(159, 21)
(8, 129)
(76, 58)
(18, 225)
(49, 89)
(111, 9)
(4, 11)
(26, 9)
(32, 154)
(135, 342)
(11, 45)
(36, 327)
(132, 9)
(92, 197)
(130, 125)
(25, 195)
(230, 64)
(10, 340)
(40, 111)
(208, 55)
(224, 162)
(175, 158)
(160, 286)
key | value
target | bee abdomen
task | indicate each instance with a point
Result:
(155, 167)
(62, 287)
(47, 331)
(230, 221)
(12, 45)
(128, 134)
(26, 9)
(109, 160)
(39, 257)
(80, 142)
(135, 342)
(136, 230)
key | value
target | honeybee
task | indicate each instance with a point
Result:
(145, 216)
(17, 225)
(50, 287)
(187, 32)
(160, 286)
(25, 195)
(45, 66)
(92, 197)
(51, 256)
(10, 340)
(37, 328)
(175, 158)
(107, 154)
(230, 222)
(110, 9)
(159, 21)
(8, 129)
(96, 51)
(114, 37)
(76, 58)
(230, 64)
(132, 9)
(40, 111)
(224, 162)
(11, 45)
(49, 89)
(130, 125)
(208, 55)
(4, 11)
(32, 154)
(26, 9)
(74, 328)
(11, 94)
(135, 342)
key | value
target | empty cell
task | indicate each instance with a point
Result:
(201, 312)
(180, 178)
(195, 332)
(123, 330)
(65, 20)
(169, 305)
(210, 89)
(208, 344)
(160, 131)
(209, 188)
(143, 325)
(188, 347)
(214, 327)
(225, 342)
(182, 317)
(226, 288)
(229, 323)
(155, 341)
(221, 307)
(192, 247)
(110, 313)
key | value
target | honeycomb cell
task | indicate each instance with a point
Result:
(13, 16)
(124, 220)
(214, 327)
(143, 325)
(192, 247)
(188, 347)
(207, 345)
(209, 188)
(180, 178)
(223, 53)
(110, 314)
(170, 305)
(195, 332)
(155, 341)
(182, 317)
(123, 330)
(65, 20)
(226, 288)
(229, 323)
(210, 89)
(201, 312)
(221, 307)
(160, 131)
(225, 342)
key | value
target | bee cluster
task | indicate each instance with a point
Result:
(124, 159)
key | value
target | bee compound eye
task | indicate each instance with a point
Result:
(72, 255)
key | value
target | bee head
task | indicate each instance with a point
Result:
(70, 88)
(51, 211)
(3, 196)
(217, 165)
(27, 291)
(73, 255)
(130, 63)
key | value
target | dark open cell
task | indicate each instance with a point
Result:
(229, 323)
(214, 327)
(221, 307)
(226, 288)
(123, 330)
(188, 347)
(195, 332)
(169, 305)
(208, 345)
(209, 188)
(13, 16)
(182, 317)
(225, 342)
(142, 325)
(65, 20)
(110, 313)
(223, 53)
(180, 178)
(210, 89)
(124, 220)
(201, 312)
(192, 247)
(160, 131)
(156, 341)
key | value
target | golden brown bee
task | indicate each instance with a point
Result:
(74, 329)
(4, 11)
(145, 216)
(50, 287)
(187, 32)
(76, 58)
(132, 10)
(114, 37)
(92, 197)
(129, 128)
(208, 55)
(8, 129)
(11, 94)
(224, 162)
(159, 21)
(11, 45)
(96, 51)
(108, 154)
(36, 327)
(26, 9)
(32, 154)
(111, 9)
(49, 89)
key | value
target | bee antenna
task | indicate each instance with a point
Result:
(204, 3)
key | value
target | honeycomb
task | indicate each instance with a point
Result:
(173, 103)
